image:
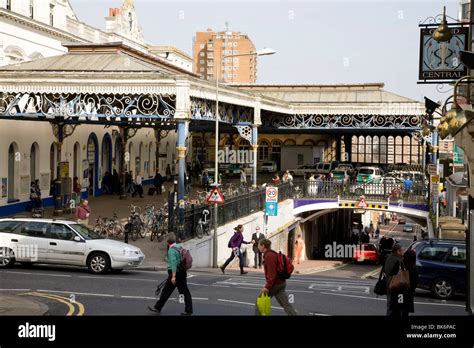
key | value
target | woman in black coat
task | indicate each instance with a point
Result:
(409, 260)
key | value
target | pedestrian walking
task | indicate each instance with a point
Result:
(274, 285)
(158, 182)
(76, 189)
(398, 302)
(298, 252)
(256, 238)
(168, 172)
(243, 179)
(129, 182)
(235, 243)
(176, 279)
(83, 212)
(205, 180)
(138, 185)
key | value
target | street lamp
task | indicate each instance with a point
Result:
(262, 52)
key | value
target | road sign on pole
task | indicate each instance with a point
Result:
(271, 194)
(362, 203)
(215, 197)
(432, 169)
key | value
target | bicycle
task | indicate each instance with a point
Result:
(135, 223)
(203, 226)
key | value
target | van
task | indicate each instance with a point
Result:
(369, 175)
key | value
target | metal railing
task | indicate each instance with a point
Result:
(383, 192)
(233, 209)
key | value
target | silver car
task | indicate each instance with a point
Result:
(63, 242)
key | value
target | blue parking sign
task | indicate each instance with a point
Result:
(271, 208)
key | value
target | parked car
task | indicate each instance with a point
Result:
(304, 170)
(325, 168)
(369, 175)
(210, 167)
(268, 167)
(366, 252)
(402, 221)
(340, 176)
(63, 242)
(408, 228)
(441, 266)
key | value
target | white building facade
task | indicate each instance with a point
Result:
(35, 29)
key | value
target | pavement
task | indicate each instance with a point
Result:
(21, 306)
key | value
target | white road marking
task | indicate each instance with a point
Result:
(339, 287)
(15, 289)
(220, 286)
(371, 273)
(197, 284)
(139, 297)
(319, 314)
(42, 274)
(383, 299)
(245, 303)
(115, 278)
(77, 293)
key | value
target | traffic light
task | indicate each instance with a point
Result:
(431, 106)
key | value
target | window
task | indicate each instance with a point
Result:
(210, 61)
(235, 68)
(434, 253)
(210, 76)
(229, 68)
(457, 255)
(9, 5)
(201, 69)
(202, 46)
(34, 229)
(263, 151)
(229, 52)
(51, 15)
(31, 8)
(201, 62)
(201, 54)
(61, 232)
(235, 75)
(9, 226)
(209, 68)
(235, 44)
(300, 159)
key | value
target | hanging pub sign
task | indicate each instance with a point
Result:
(441, 60)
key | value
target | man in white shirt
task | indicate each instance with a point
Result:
(138, 185)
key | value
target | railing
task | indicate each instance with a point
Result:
(233, 209)
(380, 192)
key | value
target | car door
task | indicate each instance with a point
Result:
(62, 248)
(9, 235)
(32, 242)
(431, 263)
(456, 264)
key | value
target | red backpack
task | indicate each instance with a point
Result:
(285, 267)
(186, 260)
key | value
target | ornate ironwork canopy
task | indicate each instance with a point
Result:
(204, 109)
(109, 109)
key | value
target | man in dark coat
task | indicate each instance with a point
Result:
(256, 238)
(158, 182)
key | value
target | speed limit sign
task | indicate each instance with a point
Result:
(271, 194)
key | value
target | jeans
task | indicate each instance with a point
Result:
(182, 289)
(232, 256)
(278, 291)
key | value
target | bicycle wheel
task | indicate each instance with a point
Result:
(142, 230)
(153, 235)
(199, 231)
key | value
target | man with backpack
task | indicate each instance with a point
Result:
(278, 268)
(179, 261)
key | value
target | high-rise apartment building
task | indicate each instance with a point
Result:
(210, 47)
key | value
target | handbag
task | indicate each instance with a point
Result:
(400, 281)
(381, 285)
(264, 304)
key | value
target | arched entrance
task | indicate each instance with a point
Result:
(12, 171)
(106, 154)
(34, 162)
(92, 157)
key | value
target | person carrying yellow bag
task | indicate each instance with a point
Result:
(275, 285)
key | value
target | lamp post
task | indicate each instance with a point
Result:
(263, 52)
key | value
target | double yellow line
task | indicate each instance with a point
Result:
(64, 300)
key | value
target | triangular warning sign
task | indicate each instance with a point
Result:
(362, 204)
(215, 197)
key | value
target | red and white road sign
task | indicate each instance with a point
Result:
(271, 194)
(362, 204)
(215, 197)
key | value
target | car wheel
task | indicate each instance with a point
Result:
(98, 263)
(442, 289)
(7, 258)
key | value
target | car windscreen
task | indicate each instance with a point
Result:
(338, 173)
(267, 164)
(85, 232)
(9, 226)
(366, 171)
(327, 167)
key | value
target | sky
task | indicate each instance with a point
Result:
(317, 42)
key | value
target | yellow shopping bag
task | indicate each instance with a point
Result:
(264, 304)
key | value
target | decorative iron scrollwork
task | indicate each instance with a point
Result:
(203, 109)
(110, 106)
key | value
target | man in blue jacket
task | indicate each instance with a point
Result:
(176, 278)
